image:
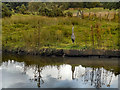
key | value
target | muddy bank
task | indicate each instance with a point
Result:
(70, 53)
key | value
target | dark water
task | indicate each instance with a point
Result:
(57, 72)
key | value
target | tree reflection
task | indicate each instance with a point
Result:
(96, 76)
(59, 76)
(92, 76)
(110, 80)
(37, 75)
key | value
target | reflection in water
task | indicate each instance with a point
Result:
(58, 75)
(37, 75)
(58, 67)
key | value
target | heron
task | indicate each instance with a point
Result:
(73, 36)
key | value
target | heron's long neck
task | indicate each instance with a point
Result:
(72, 30)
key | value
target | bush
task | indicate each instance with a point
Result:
(58, 12)
(69, 14)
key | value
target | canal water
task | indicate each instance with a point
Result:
(27, 71)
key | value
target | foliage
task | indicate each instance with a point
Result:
(54, 9)
(34, 6)
(69, 14)
(50, 12)
(5, 11)
(13, 5)
(91, 4)
(111, 5)
(21, 9)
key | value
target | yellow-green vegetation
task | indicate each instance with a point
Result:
(33, 32)
(74, 10)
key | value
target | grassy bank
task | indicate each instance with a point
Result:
(32, 32)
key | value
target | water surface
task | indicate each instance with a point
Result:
(26, 71)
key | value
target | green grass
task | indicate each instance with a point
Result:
(31, 32)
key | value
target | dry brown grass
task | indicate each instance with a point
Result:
(103, 15)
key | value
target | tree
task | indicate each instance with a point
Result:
(13, 5)
(76, 5)
(90, 4)
(17, 9)
(53, 11)
(34, 6)
(22, 9)
(5, 11)
(111, 5)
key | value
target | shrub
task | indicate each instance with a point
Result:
(69, 14)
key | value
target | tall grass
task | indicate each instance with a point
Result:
(31, 32)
